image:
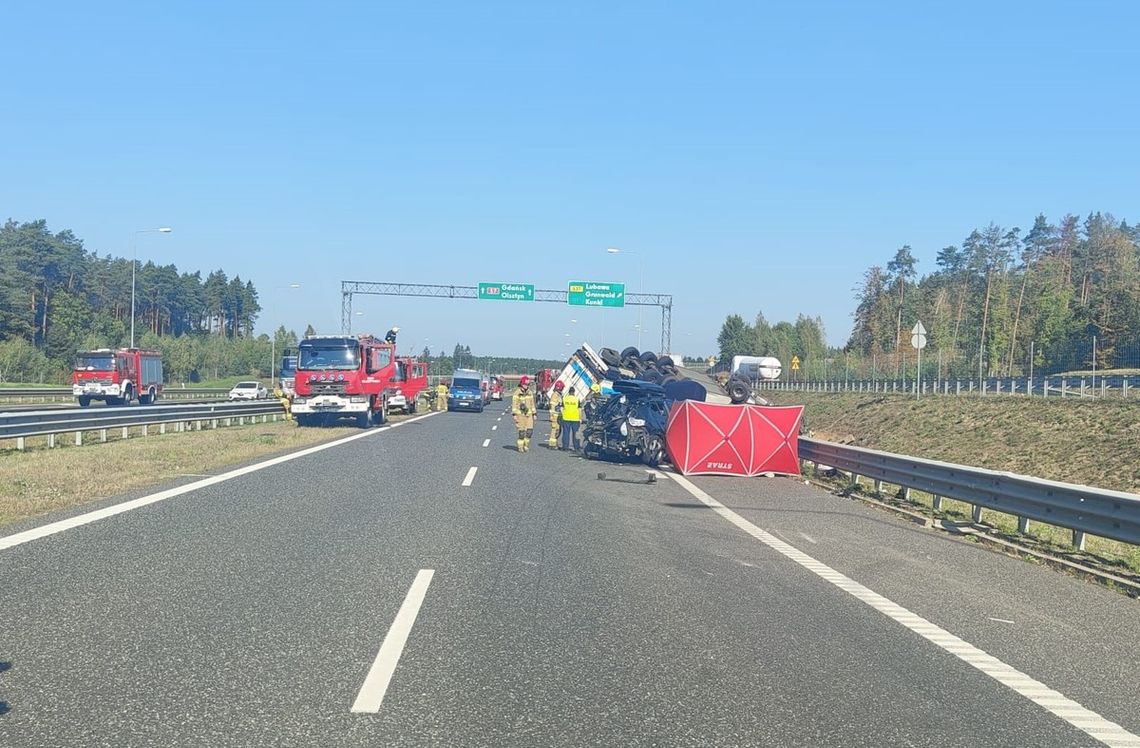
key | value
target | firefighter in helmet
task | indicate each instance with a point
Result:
(555, 414)
(286, 403)
(522, 408)
(441, 396)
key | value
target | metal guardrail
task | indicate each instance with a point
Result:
(22, 424)
(1082, 509)
(64, 393)
(1115, 385)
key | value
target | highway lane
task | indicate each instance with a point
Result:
(562, 610)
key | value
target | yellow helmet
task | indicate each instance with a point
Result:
(595, 387)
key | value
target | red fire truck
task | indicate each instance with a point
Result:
(408, 382)
(117, 376)
(543, 382)
(340, 376)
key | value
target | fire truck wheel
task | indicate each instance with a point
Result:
(147, 399)
(84, 401)
(364, 420)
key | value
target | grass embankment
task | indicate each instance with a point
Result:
(1090, 442)
(44, 480)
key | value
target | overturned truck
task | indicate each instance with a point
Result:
(628, 397)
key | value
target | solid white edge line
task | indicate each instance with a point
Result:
(1056, 703)
(79, 520)
(375, 684)
(467, 481)
(486, 442)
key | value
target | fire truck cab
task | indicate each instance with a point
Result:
(408, 382)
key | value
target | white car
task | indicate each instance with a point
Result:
(249, 391)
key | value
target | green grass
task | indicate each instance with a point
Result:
(1087, 442)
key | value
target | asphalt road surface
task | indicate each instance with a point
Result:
(427, 585)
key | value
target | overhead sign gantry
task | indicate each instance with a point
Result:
(613, 295)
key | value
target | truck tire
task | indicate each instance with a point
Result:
(664, 361)
(364, 420)
(148, 398)
(629, 353)
(653, 450)
(738, 390)
(610, 357)
(128, 395)
(84, 401)
(649, 357)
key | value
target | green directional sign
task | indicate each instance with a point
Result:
(507, 291)
(589, 293)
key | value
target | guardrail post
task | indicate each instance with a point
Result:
(936, 502)
(214, 423)
(1124, 388)
(126, 432)
(1082, 386)
(976, 513)
(985, 384)
(103, 435)
(79, 438)
(145, 430)
(854, 480)
(162, 428)
(1064, 387)
(904, 493)
(1078, 540)
(20, 443)
(1023, 525)
(51, 441)
(1104, 387)
(878, 486)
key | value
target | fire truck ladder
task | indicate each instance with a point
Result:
(348, 288)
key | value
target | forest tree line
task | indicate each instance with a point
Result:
(1059, 297)
(56, 297)
(1004, 295)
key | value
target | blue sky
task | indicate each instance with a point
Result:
(757, 156)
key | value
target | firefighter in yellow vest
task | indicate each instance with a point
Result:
(522, 408)
(441, 396)
(555, 414)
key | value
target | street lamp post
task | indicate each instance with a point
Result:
(640, 284)
(134, 262)
(273, 342)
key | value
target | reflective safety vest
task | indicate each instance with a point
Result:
(570, 408)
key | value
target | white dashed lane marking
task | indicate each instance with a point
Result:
(467, 481)
(380, 674)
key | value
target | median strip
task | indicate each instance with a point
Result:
(52, 528)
